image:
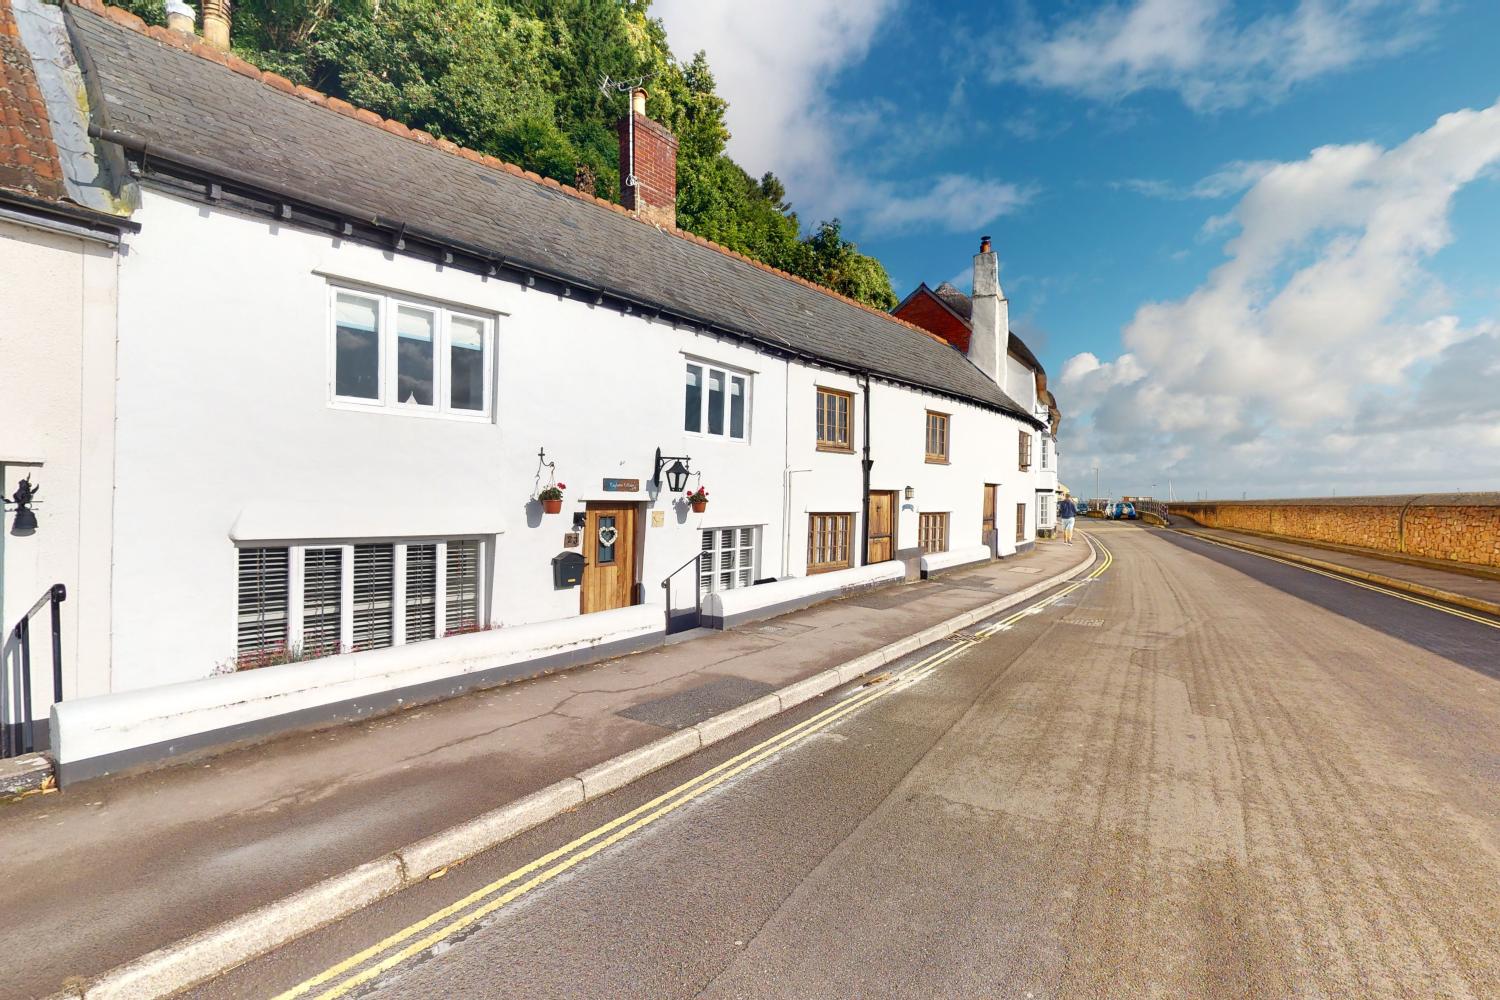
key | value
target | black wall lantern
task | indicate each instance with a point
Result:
(23, 498)
(677, 472)
(910, 493)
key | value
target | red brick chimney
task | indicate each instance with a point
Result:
(648, 165)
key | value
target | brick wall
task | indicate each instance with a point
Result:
(925, 311)
(1458, 527)
(655, 195)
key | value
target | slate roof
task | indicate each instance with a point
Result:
(229, 115)
(28, 159)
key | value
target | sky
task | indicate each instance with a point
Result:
(1256, 245)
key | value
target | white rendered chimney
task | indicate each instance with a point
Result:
(989, 338)
(180, 17)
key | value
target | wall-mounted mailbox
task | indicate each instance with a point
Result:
(567, 570)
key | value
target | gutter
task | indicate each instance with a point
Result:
(61, 217)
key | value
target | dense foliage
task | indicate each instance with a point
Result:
(521, 79)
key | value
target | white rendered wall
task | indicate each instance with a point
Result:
(56, 409)
(224, 420)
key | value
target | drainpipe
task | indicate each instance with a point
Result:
(865, 464)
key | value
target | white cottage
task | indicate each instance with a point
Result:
(352, 357)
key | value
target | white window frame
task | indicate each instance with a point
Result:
(712, 585)
(388, 305)
(296, 569)
(1046, 451)
(707, 368)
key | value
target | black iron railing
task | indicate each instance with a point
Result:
(20, 737)
(682, 620)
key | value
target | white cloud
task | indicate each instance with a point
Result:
(1321, 352)
(1207, 53)
(775, 61)
(1232, 178)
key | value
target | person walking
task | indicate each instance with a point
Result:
(1067, 511)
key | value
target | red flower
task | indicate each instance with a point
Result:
(562, 486)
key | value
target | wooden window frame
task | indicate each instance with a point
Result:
(945, 421)
(813, 566)
(1020, 523)
(924, 534)
(387, 307)
(1025, 450)
(845, 447)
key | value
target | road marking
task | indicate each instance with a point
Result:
(547, 867)
(1456, 612)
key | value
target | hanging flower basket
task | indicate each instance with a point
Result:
(698, 500)
(552, 498)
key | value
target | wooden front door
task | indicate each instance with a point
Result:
(608, 557)
(990, 489)
(882, 515)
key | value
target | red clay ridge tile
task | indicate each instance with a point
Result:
(396, 128)
(368, 117)
(210, 53)
(426, 138)
(121, 16)
(342, 107)
(447, 145)
(93, 5)
(278, 81)
(308, 94)
(242, 67)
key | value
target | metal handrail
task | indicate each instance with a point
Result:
(697, 563)
(54, 596)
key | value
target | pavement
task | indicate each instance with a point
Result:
(109, 870)
(1473, 589)
(1203, 774)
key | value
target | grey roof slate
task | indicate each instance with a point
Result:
(187, 104)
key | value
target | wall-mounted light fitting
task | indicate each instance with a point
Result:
(677, 473)
(910, 492)
(23, 498)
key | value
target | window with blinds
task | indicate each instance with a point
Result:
(263, 596)
(322, 600)
(937, 437)
(728, 558)
(828, 541)
(463, 587)
(834, 420)
(355, 596)
(374, 596)
(932, 532)
(421, 592)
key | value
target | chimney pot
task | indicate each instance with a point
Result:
(638, 101)
(984, 244)
(216, 23)
(180, 17)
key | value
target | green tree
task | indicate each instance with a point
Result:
(537, 83)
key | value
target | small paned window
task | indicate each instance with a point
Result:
(606, 539)
(463, 586)
(937, 437)
(1025, 449)
(322, 600)
(421, 592)
(389, 352)
(414, 330)
(828, 541)
(263, 595)
(1020, 522)
(834, 420)
(729, 557)
(356, 339)
(716, 402)
(932, 532)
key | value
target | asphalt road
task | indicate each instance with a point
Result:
(1203, 774)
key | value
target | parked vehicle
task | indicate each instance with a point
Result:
(1123, 511)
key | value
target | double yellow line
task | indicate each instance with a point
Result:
(1445, 609)
(416, 938)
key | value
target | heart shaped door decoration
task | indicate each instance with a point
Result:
(608, 534)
